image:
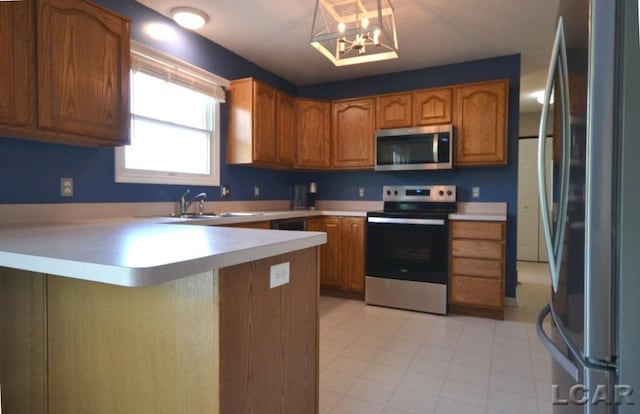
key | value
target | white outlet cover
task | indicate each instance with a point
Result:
(279, 275)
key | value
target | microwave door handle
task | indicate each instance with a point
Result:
(436, 140)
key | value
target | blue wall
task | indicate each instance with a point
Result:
(30, 171)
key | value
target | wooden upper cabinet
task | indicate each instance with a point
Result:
(261, 125)
(286, 129)
(252, 137)
(432, 107)
(313, 132)
(481, 123)
(352, 133)
(417, 108)
(83, 70)
(18, 73)
(265, 107)
(394, 111)
(67, 80)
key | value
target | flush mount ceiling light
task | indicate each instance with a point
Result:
(355, 31)
(189, 17)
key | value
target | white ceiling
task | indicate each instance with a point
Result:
(275, 34)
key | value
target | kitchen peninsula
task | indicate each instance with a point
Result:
(135, 316)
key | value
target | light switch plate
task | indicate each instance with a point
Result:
(279, 275)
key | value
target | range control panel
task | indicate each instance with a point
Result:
(420, 193)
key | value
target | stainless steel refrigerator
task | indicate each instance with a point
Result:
(591, 213)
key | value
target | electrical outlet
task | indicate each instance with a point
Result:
(475, 192)
(279, 275)
(224, 191)
(256, 191)
(361, 192)
(66, 187)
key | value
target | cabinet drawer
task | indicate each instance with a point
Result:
(475, 291)
(477, 267)
(481, 249)
(477, 230)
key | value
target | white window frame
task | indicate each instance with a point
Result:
(201, 79)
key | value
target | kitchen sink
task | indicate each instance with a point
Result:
(211, 215)
(193, 216)
(239, 214)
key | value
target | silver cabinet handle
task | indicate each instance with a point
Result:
(554, 245)
(555, 352)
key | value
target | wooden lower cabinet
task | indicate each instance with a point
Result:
(476, 284)
(221, 341)
(342, 259)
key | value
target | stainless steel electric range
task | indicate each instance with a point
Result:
(408, 248)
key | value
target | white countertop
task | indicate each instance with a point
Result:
(149, 250)
(480, 212)
(139, 252)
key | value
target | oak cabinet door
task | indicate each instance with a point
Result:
(394, 111)
(353, 129)
(353, 250)
(432, 107)
(286, 130)
(313, 131)
(331, 252)
(265, 141)
(83, 70)
(481, 123)
(17, 64)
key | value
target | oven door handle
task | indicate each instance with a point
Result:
(394, 220)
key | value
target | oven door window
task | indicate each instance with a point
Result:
(408, 252)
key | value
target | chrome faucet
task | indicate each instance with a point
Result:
(184, 204)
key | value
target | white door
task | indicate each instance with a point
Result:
(530, 239)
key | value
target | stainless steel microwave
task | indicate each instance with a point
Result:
(419, 148)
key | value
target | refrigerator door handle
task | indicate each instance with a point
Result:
(554, 245)
(555, 352)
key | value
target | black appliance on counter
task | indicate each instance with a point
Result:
(303, 196)
(408, 248)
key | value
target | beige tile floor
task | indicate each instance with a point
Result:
(379, 360)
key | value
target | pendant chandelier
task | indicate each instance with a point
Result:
(348, 32)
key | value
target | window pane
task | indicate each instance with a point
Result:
(159, 147)
(158, 99)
